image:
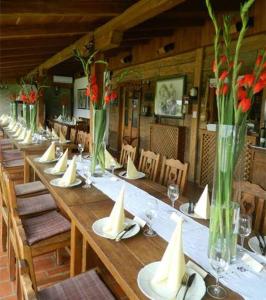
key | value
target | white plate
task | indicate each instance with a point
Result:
(184, 209)
(50, 172)
(123, 174)
(254, 245)
(98, 225)
(37, 159)
(116, 168)
(195, 292)
(57, 182)
(66, 142)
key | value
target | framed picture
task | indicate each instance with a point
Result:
(169, 97)
(83, 100)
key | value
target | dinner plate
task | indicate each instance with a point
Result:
(195, 292)
(123, 174)
(254, 245)
(56, 182)
(66, 142)
(98, 225)
(184, 209)
(50, 172)
(116, 168)
(37, 159)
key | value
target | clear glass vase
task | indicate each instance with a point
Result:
(14, 110)
(26, 114)
(224, 207)
(98, 146)
(33, 117)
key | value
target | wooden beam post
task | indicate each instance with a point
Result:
(194, 127)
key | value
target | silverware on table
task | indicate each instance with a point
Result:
(188, 284)
(191, 207)
(122, 233)
(263, 243)
(262, 249)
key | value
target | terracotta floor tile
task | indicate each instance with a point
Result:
(6, 289)
(14, 297)
(4, 274)
(3, 261)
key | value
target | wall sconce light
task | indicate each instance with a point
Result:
(193, 93)
(126, 59)
(166, 48)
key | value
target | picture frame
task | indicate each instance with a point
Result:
(169, 94)
(83, 100)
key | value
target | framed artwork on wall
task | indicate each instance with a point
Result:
(83, 100)
(169, 97)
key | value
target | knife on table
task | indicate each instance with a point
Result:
(263, 243)
(120, 236)
(189, 283)
(260, 244)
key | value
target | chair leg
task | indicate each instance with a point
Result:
(18, 286)
(59, 256)
(29, 259)
(12, 262)
(4, 235)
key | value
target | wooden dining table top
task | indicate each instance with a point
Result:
(123, 259)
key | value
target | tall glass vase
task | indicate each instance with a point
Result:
(26, 114)
(14, 110)
(98, 156)
(224, 207)
(33, 117)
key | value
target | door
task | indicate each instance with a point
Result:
(131, 113)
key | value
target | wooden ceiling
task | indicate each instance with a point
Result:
(31, 31)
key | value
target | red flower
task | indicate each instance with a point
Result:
(113, 95)
(88, 92)
(107, 98)
(263, 76)
(241, 93)
(259, 86)
(259, 59)
(223, 75)
(93, 79)
(223, 59)
(32, 97)
(24, 98)
(224, 89)
(244, 104)
(246, 80)
(94, 92)
(214, 67)
(231, 64)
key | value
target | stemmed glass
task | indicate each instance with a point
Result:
(244, 229)
(80, 149)
(58, 151)
(150, 213)
(219, 259)
(112, 167)
(88, 180)
(173, 194)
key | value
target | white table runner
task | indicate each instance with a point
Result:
(239, 278)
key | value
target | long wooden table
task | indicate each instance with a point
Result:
(123, 260)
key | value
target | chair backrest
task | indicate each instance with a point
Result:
(174, 171)
(127, 150)
(64, 130)
(73, 133)
(148, 164)
(87, 142)
(57, 127)
(80, 137)
(25, 282)
(252, 200)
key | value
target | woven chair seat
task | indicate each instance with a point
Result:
(35, 204)
(26, 189)
(12, 154)
(44, 226)
(13, 163)
(86, 286)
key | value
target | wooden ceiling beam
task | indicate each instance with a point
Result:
(14, 65)
(12, 61)
(15, 55)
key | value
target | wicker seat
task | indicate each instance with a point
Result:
(15, 154)
(27, 189)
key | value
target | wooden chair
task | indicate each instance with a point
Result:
(88, 283)
(73, 133)
(127, 150)
(80, 137)
(252, 200)
(87, 142)
(64, 131)
(174, 171)
(57, 128)
(36, 235)
(148, 164)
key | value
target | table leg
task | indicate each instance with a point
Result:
(88, 257)
(26, 171)
(76, 250)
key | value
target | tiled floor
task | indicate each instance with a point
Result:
(46, 272)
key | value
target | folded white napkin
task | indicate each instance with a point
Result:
(61, 165)
(70, 174)
(109, 159)
(49, 154)
(116, 220)
(168, 277)
(23, 134)
(252, 263)
(202, 207)
(54, 134)
(61, 137)
(15, 128)
(48, 130)
(28, 138)
(10, 126)
(18, 132)
(132, 172)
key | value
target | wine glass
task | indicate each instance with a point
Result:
(80, 149)
(150, 213)
(112, 167)
(58, 151)
(219, 259)
(244, 229)
(88, 180)
(173, 194)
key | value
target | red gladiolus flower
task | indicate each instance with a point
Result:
(32, 97)
(241, 93)
(263, 76)
(88, 92)
(24, 98)
(113, 95)
(95, 92)
(259, 86)
(93, 79)
(223, 59)
(223, 75)
(214, 67)
(231, 64)
(247, 80)
(244, 105)
(107, 98)
(259, 59)
(224, 89)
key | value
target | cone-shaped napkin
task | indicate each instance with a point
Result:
(168, 277)
(28, 139)
(116, 220)
(18, 132)
(132, 172)
(202, 208)
(70, 174)
(61, 165)
(109, 160)
(54, 134)
(10, 126)
(48, 130)
(49, 154)
(23, 134)
(61, 137)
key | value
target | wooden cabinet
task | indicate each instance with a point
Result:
(258, 167)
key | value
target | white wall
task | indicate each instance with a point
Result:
(80, 83)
